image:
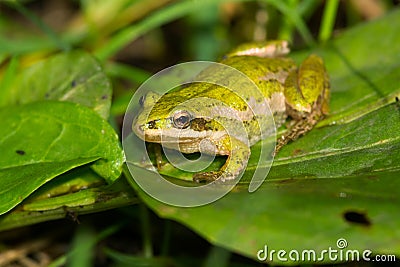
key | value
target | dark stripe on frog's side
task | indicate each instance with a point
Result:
(196, 124)
(200, 124)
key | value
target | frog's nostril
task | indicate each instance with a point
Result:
(141, 100)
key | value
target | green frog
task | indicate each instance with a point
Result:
(203, 116)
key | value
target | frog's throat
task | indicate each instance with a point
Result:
(173, 135)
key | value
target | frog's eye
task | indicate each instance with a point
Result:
(181, 119)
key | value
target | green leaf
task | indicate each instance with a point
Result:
(75, 76)
(76, 180)
(42, 140)
(341, 180)
(102, 198)
(300, 214)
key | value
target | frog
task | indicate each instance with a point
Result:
(194, 118)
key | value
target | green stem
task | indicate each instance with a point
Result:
(146, 231)
(166, 238)
(287, 28)
(328, 20)
(294, 18)
(158, 18)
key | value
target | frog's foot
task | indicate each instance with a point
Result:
(300, 128)
(208, 177)
(157, 149)
(306, 95)
(205, 177)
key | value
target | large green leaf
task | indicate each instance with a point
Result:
(341, 180)
(41, 140)
(74, 76)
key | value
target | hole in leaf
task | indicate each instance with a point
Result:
(357, 218)
(20, 152)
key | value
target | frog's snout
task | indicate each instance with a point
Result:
(139, 131)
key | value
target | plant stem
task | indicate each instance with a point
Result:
(328, 20)
(145, 223)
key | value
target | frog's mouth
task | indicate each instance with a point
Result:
(173, 135)
(184, 140)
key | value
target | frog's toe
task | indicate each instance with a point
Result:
(208, 177)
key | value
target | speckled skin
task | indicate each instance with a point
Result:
(205, 111)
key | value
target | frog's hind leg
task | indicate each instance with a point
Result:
(300, 128)
(307, 96)
(304, 121)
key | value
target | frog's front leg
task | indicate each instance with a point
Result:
(307, 95)
(238, 157)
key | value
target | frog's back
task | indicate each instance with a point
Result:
(268, 74)
(236, 91)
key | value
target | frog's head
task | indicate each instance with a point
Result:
(170, 119)
(150, 117)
